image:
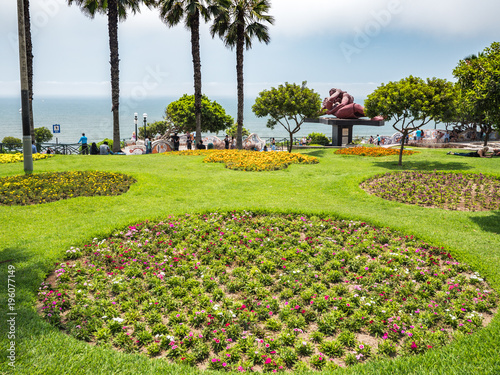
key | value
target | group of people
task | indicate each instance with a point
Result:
(377, 140)
(102, 150)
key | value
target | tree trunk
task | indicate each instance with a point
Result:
(291, 143)
(240, 44)
(195, 50)
(405, 134)
(29, 57)
(115, 70)
(23, 68)
(486, 136)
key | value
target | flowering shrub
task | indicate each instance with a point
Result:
(18, 157)
(50, 187)
(447, 190)
(372, 151)
(162, 288)
(244, 160)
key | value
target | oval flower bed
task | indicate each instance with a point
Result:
(447, 190)
(255, 292)
(50, 187)
(17, 158)
(372, 151)
(244, 160)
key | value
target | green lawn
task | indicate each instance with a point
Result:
(33, 238)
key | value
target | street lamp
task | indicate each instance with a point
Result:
(145, 115)
(135, 122)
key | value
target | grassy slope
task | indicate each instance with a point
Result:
(36, 237)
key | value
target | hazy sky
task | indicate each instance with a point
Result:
(352, 44)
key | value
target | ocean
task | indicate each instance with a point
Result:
(93, 117)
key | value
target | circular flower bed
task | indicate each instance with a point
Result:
(50, 187)
(447, 190)
(372, 151)
(17, 158)
(251, 160)
(247, 292)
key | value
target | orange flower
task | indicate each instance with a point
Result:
(372, 151)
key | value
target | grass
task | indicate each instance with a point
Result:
(33, 238)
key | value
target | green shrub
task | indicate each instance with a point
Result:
(318, 139)
(12, 141)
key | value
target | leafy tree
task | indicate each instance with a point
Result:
(288, 105)
(115, 10)
(411, 103)
(237, 25)
(158, 127)
(42, 134)
(478, 78)
(172, 12)
(12, 141)
(233, 131)
(213, 116)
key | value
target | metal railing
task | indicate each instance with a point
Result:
(282, 143)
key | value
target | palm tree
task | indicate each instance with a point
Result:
(116, 10)
(241, 22)
(29, 57)
(172, 12)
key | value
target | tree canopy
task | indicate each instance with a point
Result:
(42, 134)
(411, 103)
(479, 81)
(213, 117)
(288, 105)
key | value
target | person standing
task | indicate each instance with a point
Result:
(33, 148)
(189, 141)
(85, 147)
(147, 143)
(378, 140)
(226, 142)
(175, 139)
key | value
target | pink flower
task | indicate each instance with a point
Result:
(268, 360)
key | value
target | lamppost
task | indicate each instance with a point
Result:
(145, 115)
(135, 122)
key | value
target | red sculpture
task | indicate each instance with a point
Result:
(341, 104)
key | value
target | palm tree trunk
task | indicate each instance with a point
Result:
(240, 44)
(23, 67)
(29, 57)
(195, 50)
(115, 70)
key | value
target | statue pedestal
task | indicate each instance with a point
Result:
(342, 129)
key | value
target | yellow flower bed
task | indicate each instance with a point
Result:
(17, 158)
(50, 187)
(244, 160)
(372, 151)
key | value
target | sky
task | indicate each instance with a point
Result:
(355, 45)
